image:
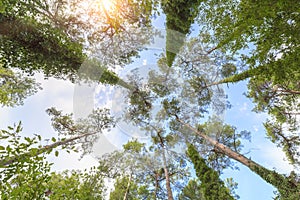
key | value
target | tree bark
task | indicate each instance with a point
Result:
(43, 149)
(166, 171)
(11, 27)
(125, 85)
(168, 183)
(127, 188)
(156, 176)
(269, 176)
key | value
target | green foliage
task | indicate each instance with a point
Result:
(228, 69)
(133, 175)
(281, 102)
(18, 149)
(98, 120)
(203, 94)
(163, 81)
(39, 40)
(32, 46)
(27, 176)
(76, 185)
(212, 187)
(140, 104)
(2, 7)
(289, 143)
(225, 134)
(121, 186)
(93, 70)
(82, 132)
(192, 191)
(180, 16)
(272, 60)
(140, 171)
(171, 106)
(14, 87)
(133, 146)
(288, 187)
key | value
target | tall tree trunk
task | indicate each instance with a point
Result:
(238, 77)
(127, 188)
(168, 183)
(277, 180)
(166, 171)
(11, 27)
(244, 75)
(125, 85)
(43, 149)
(156, 185)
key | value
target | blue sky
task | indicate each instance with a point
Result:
(261, 149)
(60, 94)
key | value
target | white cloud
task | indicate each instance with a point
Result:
(274, 158)
(106, 145)
(66, 161)
(144, 62)
(5, 115)
(255, 128)
(55, 93)
(244, 107)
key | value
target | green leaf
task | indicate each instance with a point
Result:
(28, 139)
(2, 7)
(2, 148)
(33, 151)
(3, 137)
(53, 139)
(8, 148)
(19, 128)
(56, 153)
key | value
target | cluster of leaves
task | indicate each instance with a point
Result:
(42, 36)
(33, 46)
(76, 185)
(288, 186)
(14, 88)
(136, 192)
(180, 16)
(37, 36)
(81, 133)
(28, 174)
(268, 33)
(211, 186)
(225, 134)
(25, 173)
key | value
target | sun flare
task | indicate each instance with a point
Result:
(107, 4)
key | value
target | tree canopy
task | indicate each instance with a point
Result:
(177, 105)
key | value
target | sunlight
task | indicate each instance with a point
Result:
(107, 4)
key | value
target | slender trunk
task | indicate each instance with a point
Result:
(125, 85)
(213, 84)
(43, 149)
(238, 77)
(168, 183)
(166, 171)
(211, 50)
(127, 188)
(269, 176)
(244, 75)
(156, 185)
(290, 91)
(231, 79)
